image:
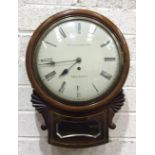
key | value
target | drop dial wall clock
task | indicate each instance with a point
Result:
(77, 62)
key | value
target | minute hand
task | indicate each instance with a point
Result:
(66, 71)
(53, 63)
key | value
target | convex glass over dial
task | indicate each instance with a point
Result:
(78, 59)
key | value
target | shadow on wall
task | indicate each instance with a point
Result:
(113, 147)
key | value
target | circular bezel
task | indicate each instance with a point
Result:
(55, 101)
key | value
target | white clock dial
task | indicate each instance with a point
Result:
(78, 60)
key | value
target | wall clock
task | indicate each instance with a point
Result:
(77, 62)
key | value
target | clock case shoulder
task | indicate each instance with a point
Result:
(113, 107)
(52, 116)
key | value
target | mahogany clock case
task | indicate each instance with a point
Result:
(87, 124)
(50, 99)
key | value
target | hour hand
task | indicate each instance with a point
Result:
(65, 71)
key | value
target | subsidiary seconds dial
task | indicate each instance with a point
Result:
(77, 60)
